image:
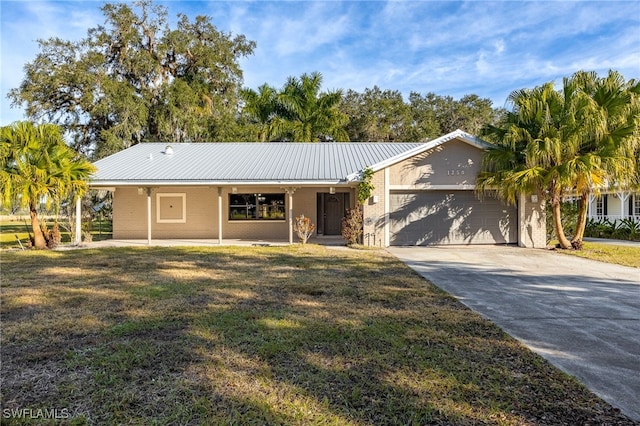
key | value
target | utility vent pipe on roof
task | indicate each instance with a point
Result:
(168, 150)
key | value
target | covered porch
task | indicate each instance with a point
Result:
(614, 206)
(204, 214)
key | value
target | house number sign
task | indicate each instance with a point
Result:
(455, 172)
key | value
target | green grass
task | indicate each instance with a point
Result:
(263, 335)
(620, 255)
(10, 229)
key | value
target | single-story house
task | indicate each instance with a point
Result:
(424, 192)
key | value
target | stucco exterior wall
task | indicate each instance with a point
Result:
(130, 213)
(532, 228)
(374, 212)
(452, 163)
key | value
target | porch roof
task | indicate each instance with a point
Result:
(243, 163)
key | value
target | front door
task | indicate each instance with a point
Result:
(333, 213)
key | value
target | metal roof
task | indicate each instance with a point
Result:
(209, 163)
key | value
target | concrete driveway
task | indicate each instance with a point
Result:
(581, 315)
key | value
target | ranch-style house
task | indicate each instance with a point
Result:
(424, 192)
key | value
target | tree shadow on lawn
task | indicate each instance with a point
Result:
(266, 336)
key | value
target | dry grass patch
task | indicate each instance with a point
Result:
(263, 335)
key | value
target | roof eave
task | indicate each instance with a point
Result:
(145, 183)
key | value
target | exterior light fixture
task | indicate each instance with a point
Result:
(332, 190)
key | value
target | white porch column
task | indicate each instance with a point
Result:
(623, 196)
(78, 220)
(591, 200)
(149, 216)
(220, 215)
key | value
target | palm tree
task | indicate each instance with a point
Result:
(608, 137)
(528, 151)
(261, 107)
(306, 115)
(574, 141)
(37, 165)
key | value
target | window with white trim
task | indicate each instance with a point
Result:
(600, 206)
(636, 205)
(256, 207)
(171, 207)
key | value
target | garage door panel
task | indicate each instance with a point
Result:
(455, 217)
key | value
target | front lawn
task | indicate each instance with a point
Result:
(263, 335)
(621, 255)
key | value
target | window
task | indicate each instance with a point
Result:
(256, 207)
(600, 206)
(636, 205)
(171, 208)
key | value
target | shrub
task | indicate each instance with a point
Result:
(624, 229)
(304, 228)
(352, 226)
(54, 239)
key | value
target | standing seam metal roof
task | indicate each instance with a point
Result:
(250, 162)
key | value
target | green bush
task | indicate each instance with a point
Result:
(624, 229)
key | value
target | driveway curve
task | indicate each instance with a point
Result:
(581, 315)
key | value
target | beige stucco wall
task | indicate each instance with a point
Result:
(130, 213)
(452, 163)
(374, 213)
(532, 228)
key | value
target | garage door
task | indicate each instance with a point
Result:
(450, 217)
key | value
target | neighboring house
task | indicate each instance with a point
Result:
(614, 206)
(424, 192)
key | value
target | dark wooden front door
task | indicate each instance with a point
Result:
(333, 213)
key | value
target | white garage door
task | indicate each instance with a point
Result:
(450, 217)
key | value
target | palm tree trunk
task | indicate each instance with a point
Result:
(581, 223)
(38, 237)
(557, 225)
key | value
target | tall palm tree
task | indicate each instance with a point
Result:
(37, 165)
(261, 106)
(606, 114)
(307, 115)
(571, 142)
(528, 150)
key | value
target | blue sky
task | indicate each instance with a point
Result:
(446, 47)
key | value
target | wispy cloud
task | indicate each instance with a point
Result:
(447, 47)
